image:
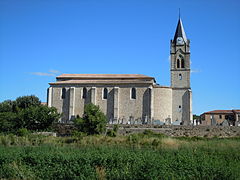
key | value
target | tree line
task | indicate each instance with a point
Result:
(27, 112)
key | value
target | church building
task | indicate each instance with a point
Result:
(130, 98)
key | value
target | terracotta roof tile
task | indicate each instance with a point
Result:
(104, 76)
(113, 81)
(221, 112)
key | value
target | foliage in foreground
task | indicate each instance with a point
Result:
(139, 156)
(93, 121)
(49, 162)
(26, 112)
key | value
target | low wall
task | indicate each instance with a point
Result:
(201, 131)
(169, 130)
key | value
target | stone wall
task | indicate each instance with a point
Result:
(174, 131)
(118, 106)
(162, 103)
(177, 131)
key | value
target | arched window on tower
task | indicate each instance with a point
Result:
(63, 93)
(84, 93)
(182, 63)
(178, 63)
(133, 93)
(105, 93)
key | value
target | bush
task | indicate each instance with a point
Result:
(22, 132)
(93, 120)
(111, 133)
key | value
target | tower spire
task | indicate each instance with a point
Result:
(180, 30)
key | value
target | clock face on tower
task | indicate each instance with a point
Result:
(180, 41)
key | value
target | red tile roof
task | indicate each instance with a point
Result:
(103, 76)
(223, 111)
(100, 81)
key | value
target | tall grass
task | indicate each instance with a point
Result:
(137, 156)
(54, 162)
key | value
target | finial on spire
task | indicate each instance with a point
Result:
(179, 13)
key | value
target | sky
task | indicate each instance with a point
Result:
(42, 39)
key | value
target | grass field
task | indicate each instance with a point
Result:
(139, 156)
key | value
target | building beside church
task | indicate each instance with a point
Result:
(130, 98)
(221, 117)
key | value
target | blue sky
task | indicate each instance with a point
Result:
(43, 38)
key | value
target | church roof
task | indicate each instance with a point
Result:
(103, 76)
(100, 81)
(180, 31)
(103, 79)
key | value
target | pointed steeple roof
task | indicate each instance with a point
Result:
(180, 31)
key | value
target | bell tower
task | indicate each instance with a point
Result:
(180, 77)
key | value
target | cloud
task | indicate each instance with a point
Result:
(54, 71)
(49, 73)
(195, 71)
(42, 74)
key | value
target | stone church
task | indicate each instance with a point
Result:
(130, 98)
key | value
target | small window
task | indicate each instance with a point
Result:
(63, 93)
(180, 108)
(220, 116)
(180, 76)
(133, 93)
(178, 63)
(84, 93)
(105, 93)
(182, 63)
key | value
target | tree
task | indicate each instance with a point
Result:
(37, 117)
(93, 120)
(27, 101)
(26, 112)
(7, 106)
(7, 121)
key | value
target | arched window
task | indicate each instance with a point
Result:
(63, 93)
(105, 93)
(133, 93)
(84, 93)
(180, 76)
(178, 63)
(182, 63)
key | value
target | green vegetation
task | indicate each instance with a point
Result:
(93, 120)
(139, 156)
(90, 154)
(113, 132)
(26, 112)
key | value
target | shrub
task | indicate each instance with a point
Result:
(78, 134)
(93, 120)
(22, 132)
(111, 133)
(115, 128)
